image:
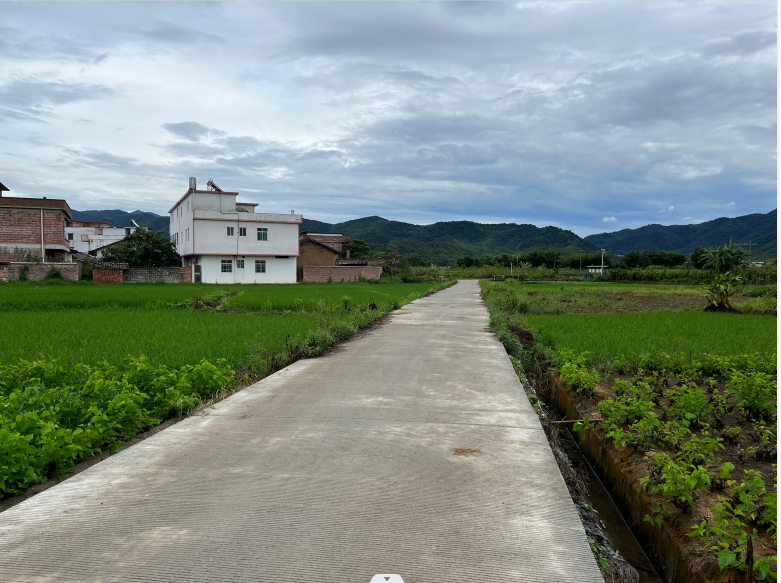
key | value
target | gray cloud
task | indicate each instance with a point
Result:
(550, 113)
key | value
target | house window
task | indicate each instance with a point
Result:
(262, 234)
(187, 234)
(188, 206)
(239, 264)
(226, 265)
(70, 236)
(230, 231)
(242, 231)
(260, 266)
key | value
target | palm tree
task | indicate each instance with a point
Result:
(726, 258)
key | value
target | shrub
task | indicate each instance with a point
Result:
(54, 275)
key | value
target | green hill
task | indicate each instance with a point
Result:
(444, 242)
(119, 218)
(759, 229)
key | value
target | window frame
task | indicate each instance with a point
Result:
(230, 231)
(226, 263)
(264, 232)
(242, 231)
(260, 266)
(239, 264)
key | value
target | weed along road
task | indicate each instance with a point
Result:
(409, 450)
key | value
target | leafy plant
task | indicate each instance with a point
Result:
(677, 481)
(576, 374)
(726, 258)
(756, 391)
(730, 533)
(54, 275)
(719, 291)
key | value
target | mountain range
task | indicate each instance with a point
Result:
(442, 243)
(758, 229)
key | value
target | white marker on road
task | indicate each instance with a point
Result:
(387, 579)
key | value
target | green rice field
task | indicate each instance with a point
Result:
(91, 323)
(608, 335)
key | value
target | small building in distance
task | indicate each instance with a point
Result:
(597, 269)
(33, 227)
(313, 252)
(334, 240)
(229, 242)
(88, 236)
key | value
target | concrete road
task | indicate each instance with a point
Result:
(330, 471)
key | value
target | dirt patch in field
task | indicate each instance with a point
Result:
(524, 336)
(635, 303)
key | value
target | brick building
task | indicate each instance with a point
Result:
(33, 227)
(333, 240)
(313, 252)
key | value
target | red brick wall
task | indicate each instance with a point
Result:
(37, 271)
(107, 275)
(320, 274)
(54, 228)
(23, 227)
(187, 274)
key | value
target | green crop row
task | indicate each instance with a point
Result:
(52, 415)
(683, 421)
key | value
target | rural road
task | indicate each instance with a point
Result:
(331, 471)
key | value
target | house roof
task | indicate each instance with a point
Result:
(3, 187)
(308, 240)
(37, 203)
(189, 192)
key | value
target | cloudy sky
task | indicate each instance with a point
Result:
(589, 116)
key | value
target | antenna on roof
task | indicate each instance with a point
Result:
(213, 186)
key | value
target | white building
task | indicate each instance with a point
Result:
(228, 242)
(87, 236)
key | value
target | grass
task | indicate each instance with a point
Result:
(605, 336)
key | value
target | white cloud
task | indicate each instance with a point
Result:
(671, 208)
(609, 220)
(730, 204)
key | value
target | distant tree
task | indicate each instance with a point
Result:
(465, 261)
(486, 260)
(357, 248)
(417, 261)
(143, 248)
(546, 258)
(505, 259)
(726, 258)
(697, 258)
(644, 259)
(582, 260)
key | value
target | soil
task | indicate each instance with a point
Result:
(644, 303)
(524, 336)
(466, 451)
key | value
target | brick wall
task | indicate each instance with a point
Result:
(321, 274)
(107, 275)
(166, 274)
(12, 253)
(37, 271)
(310, 253)
(22, 226)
